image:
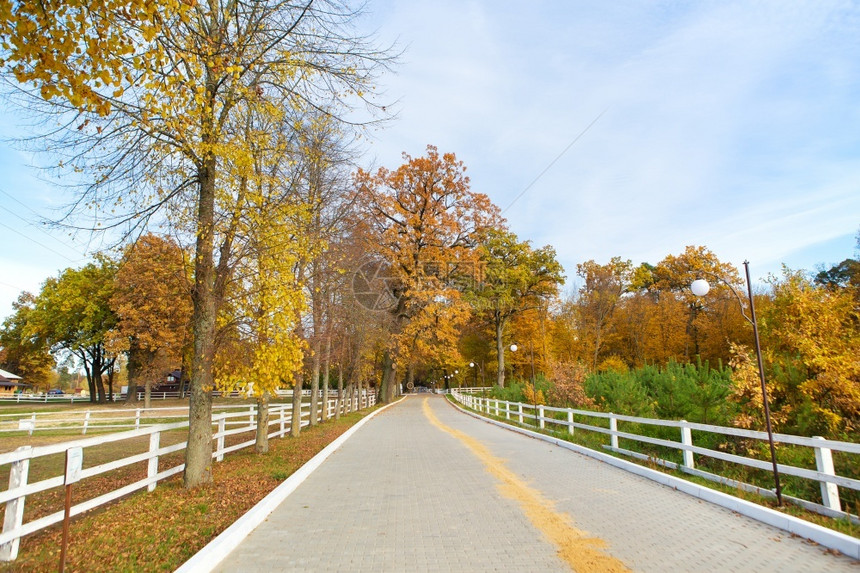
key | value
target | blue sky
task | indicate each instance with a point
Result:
(732, 125)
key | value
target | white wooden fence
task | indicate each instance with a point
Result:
(227, 422)
(566, 420)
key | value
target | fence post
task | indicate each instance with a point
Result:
(137, 420)
(86, 422)
(497, 407)
(219, 443)
(14, 516)
(251, 416)
(824, 464)
(283, 410)
(687, 440)
(33, 424)
(570, 422)
(507, 410)
(540, 416)
(613, 427)
(520, 408)
(152, 468)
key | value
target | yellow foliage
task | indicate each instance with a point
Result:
(44, 43)
(612, 364)
(529, 395)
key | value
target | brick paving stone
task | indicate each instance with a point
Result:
(401, 495)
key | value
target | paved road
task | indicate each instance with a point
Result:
(423, 487)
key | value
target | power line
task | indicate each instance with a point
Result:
(38, 243)
(31, 224)
(19, 202)
(10, 285)
(553, 162)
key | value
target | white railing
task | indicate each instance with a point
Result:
(541, 416)
(227, 423)
(120, 396)
(103, 419)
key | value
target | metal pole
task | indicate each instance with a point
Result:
(763, 387)
(534, 382)
(65, 542)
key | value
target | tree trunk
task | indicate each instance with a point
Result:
(261, 446)
(500, 351)
(325, 384)
(147, 394)
(100, 388)
(198, 453)
(315, 381)
(133, 371)
(296, 422)
(110, 381)
(97, 371)
(339, 403)
(90, 382)
(410, 378)
(386, 390)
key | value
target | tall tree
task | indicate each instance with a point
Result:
(423, 221)
(21, 353)
(152, 302)
(514, 278)
(674, 274)
(602, 288)
(72, 313)
(817, 331)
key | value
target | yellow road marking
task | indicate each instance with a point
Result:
(580, 552)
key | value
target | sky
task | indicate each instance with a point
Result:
(623, 128)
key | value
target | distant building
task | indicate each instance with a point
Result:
(10, 382)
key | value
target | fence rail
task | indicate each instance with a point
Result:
(227, 422)
(44, 398)
(540, 416)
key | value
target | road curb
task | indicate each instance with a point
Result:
(845, 544)
(216, 550)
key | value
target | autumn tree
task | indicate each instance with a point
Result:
(72, 313)
(424, 222)
(267, 310)
(513, 277)
(152, 303)
(602, 288)
(21, 353)
(324, 160)
(815, 330)
(673, 276)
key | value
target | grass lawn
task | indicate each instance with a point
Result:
(158, 531)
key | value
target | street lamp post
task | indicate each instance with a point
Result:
(513, 348)
(700, 287)
(472, 365)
